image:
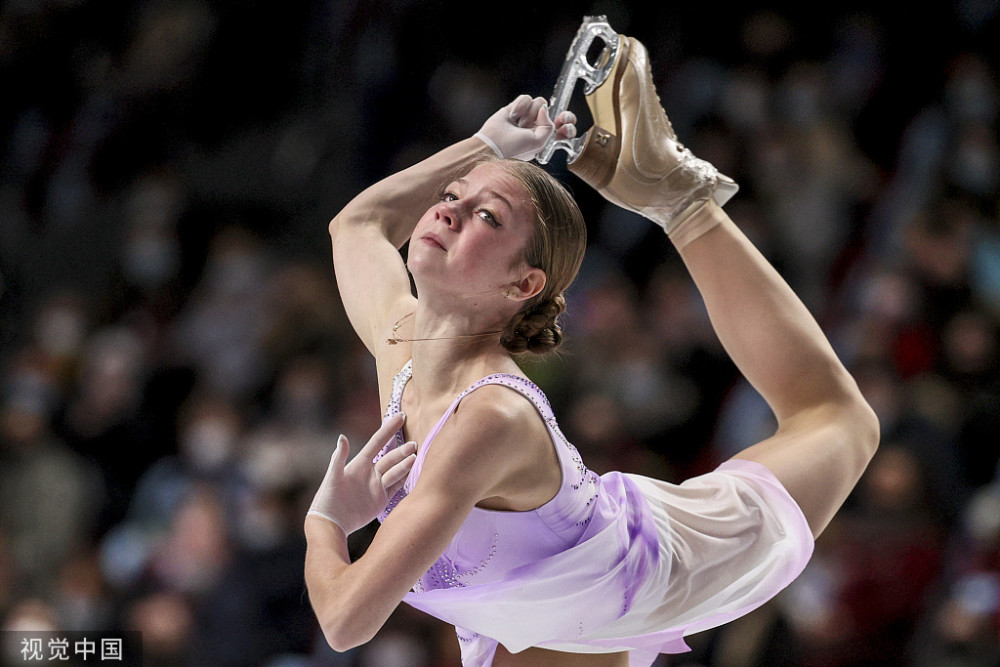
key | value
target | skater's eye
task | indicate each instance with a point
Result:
(488, 216)
(484, 213)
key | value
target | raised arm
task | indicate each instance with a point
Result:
(369, 231)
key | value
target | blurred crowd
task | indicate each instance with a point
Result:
(176, 364)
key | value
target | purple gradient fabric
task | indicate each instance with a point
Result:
(613, 562)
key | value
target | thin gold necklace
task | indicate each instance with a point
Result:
(396, 339)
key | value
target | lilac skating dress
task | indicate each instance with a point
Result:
(616, 562)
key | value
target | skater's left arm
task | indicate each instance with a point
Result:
(352, 600)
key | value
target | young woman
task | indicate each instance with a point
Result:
(492, 522)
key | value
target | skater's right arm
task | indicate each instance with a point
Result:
(368, 233)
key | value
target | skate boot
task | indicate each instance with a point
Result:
(631, 155)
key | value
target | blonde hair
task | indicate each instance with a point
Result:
(556, 247)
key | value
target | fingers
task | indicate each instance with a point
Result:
(518, 109)
(566, 132)
(382, 436)
(566, 125)
(383, 465)
(564, 118)
(396, 475)
(394, 489)
(540, 112)
(340, 455)
(526, 111)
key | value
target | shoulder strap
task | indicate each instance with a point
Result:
(398, 382)
(523, 386)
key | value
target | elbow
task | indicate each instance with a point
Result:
(344, 625)
(347, 219)
(341, 640)
(342, 635)
(340, 229)
(341, 622)
(346, 615)
(337, 641)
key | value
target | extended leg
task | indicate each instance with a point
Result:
(827, 433)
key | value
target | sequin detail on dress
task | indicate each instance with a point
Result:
(398, 382)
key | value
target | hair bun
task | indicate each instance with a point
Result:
(535, 329)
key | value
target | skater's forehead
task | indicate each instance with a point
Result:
(495, 183)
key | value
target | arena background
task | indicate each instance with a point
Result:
(176, 364)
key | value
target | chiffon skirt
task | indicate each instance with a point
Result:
(664, 561)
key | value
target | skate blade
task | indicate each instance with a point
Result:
(577, 67)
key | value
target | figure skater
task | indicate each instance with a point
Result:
(493, 522)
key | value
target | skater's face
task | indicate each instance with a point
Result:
(472, 240)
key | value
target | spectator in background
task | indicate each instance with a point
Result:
(49, 494)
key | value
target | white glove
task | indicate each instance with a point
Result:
(352, 495)
(520, 129)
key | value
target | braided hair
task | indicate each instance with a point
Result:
(535, 329)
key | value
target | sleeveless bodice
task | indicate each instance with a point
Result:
(491, 543)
